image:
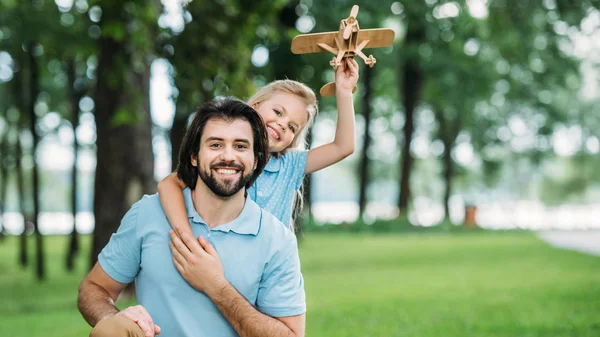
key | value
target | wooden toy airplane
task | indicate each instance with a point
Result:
(348, 42)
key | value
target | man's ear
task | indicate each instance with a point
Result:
(194, 160)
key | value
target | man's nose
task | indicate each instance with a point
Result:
(227, 153)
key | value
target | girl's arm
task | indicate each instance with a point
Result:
(346, 76)
(173, 203)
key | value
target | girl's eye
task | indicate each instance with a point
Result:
(292, 128)
(277, 112)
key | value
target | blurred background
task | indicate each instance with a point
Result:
(476, 131)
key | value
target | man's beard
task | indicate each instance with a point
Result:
(226, 188)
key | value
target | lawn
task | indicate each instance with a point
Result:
(465, 284)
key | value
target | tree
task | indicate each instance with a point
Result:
(218, 63)
(26, 53)
(363, 173)
(77, 89)
(4, 146)
(412, 78)
(123, 125)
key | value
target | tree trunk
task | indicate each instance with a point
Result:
(123, 173)
(33, 93)
(363, 169)
(5, 148)
(76, 93)
(176, 136)
(449, 130)
(144, 154)
(282, 67)
(448, 174)
(111, 175)
(412, 82)
(23, 255)
(19, 94)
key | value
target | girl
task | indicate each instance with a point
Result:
(288, 109)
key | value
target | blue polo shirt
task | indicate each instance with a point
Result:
(274, 188)
(259, 257)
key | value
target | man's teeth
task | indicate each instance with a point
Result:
(226, 171)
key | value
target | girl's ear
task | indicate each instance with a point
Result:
(255, 106)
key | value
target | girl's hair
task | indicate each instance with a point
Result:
(299, 142)
(295, 88)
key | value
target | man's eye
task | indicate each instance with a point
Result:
(215, 145)
(241, 146)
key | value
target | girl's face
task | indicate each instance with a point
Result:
(284, 115)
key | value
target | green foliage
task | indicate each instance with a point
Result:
(211, 56)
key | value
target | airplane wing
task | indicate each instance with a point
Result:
(381, 37)
(307, 43)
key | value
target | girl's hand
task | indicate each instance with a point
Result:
(346, 75)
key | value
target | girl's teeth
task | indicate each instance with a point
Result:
(273, 133)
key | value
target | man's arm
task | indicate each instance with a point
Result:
(249, 322)
(97, 295)
(199, 263)
(96, 301)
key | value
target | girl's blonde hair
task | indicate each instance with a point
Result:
(295, 88)
(305, 93)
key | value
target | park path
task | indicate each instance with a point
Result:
(582, 241)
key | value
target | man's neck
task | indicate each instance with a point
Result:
(216, 210)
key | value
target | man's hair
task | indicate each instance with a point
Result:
(226, 109)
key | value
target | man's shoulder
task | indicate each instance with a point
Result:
(272, 228)
(149, 205)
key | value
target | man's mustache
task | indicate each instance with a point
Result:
(224, 164)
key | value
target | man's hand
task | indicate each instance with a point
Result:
(139, 315)
(346, 75)
(198, 262)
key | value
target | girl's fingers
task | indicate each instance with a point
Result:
(176, 255)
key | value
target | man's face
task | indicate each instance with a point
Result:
(226, 158)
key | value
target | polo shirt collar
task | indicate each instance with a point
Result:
(247, 223)
(273, 165)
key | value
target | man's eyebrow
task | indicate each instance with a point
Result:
(242, 140)
(237, 140)
(209, 139)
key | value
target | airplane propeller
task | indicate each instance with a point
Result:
(350, 22)
(354, 11)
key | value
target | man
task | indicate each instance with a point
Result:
(241, 277)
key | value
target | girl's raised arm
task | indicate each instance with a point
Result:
(342, 146)
(173, 203)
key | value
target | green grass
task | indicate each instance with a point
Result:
(466, 284)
